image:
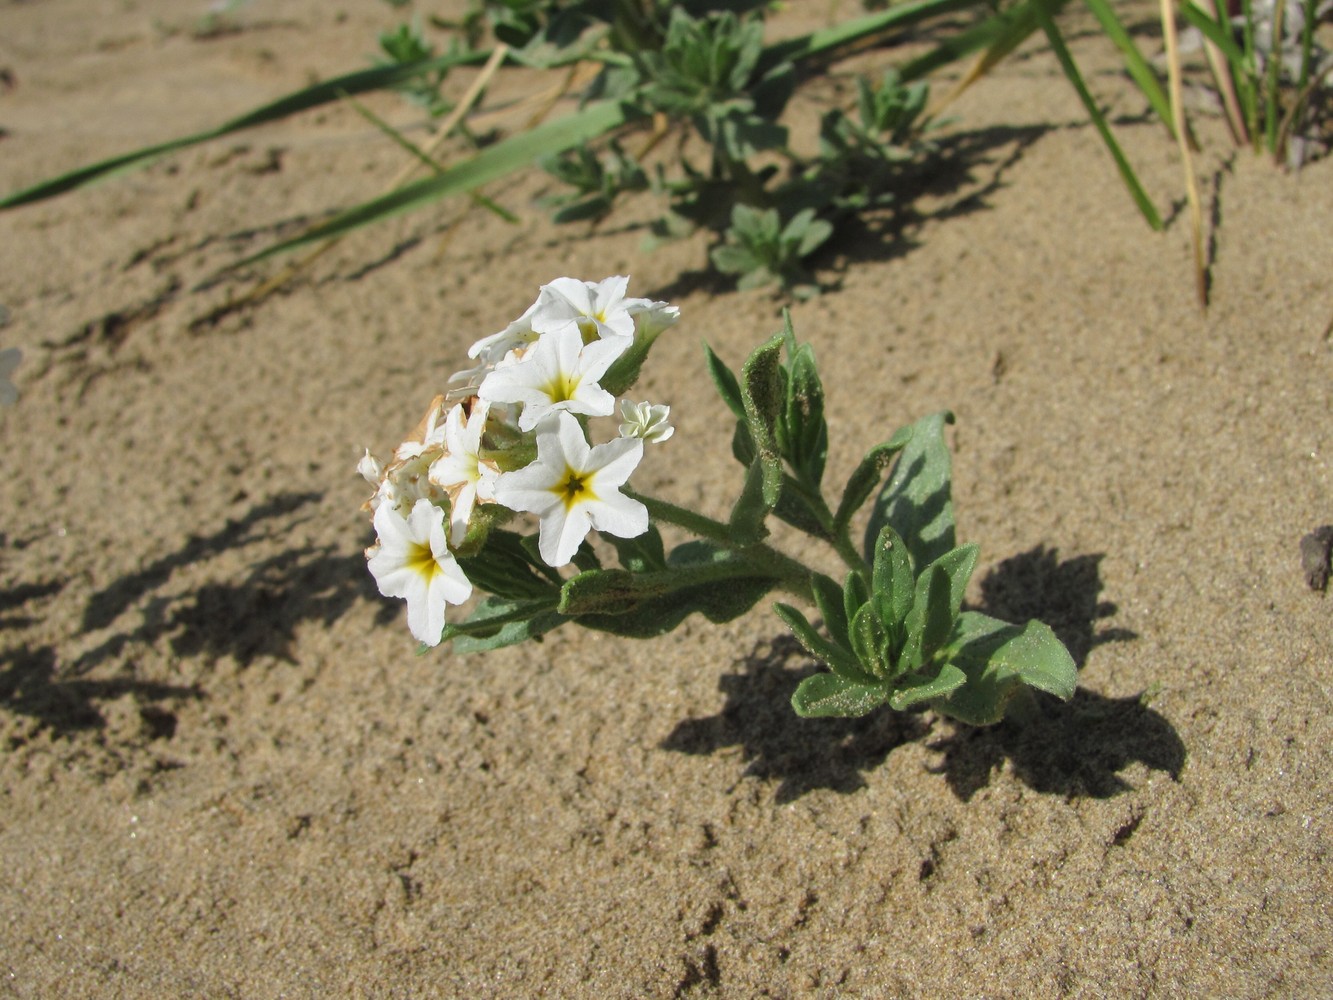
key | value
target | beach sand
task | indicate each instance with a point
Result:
(226, 772)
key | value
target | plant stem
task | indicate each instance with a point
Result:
(795, 576)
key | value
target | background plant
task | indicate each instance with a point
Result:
(702, 71)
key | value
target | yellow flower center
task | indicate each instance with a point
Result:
(574, 490)
(561, 389)
(421, 559)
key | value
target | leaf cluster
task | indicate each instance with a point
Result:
(894, 632)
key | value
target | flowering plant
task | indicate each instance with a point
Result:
(515, 435)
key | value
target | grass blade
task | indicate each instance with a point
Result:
(1187, 161)
(378, 78)
(998, 36)
(1137, 66)
(1098, 119)
(515, 153)
(819, 43)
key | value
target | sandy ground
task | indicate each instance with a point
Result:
(225, 772)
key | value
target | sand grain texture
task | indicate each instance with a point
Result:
(224, 772)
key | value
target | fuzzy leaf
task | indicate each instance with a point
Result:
(829, 601)
(948, 680)
(835, 657)
(863, 479)
(936, 601)
(998, 659)
(892, 582)
(727, 386)
(642, 553)
(807, 430)
(825, 695)
(505, 569)
(493, 613)
(855, 593)
(916, 501)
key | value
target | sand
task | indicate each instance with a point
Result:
(225, 772)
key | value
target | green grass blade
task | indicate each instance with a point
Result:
(378, 78)
(518, 152)
(1214, 32)
(1127, 174)
(1137, 66)
(827, 40)
(421, 156)
(998, 36)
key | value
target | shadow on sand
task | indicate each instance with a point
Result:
(255, 614)
(1075, 749)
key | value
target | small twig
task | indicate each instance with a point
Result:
(1225, 80)
(1178, 116)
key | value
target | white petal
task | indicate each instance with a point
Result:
(617, 514)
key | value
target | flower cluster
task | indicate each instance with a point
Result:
(512, 436)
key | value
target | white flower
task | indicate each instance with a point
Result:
(653, 318)
(574, 488)
(645, 420)
(9, 360)
(411, 559)
(403, 480)
(559, 374)
(598, 308)
(461, 471)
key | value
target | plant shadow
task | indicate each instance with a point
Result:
(1074, 750)
(966, 169)
(802, 754)
(31, 685)
(254, 615)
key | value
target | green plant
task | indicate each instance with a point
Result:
(517, 436)
(761, 249)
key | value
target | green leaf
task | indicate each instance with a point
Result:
(762, 394)
(510, 634)
(642, 553)
(727, 386)
(998, 659)
(865, 476)
(795, 507)
(936, 602)
(825, 695)
(718, 602)
(609, 591)
(700, 577)
(855, 594)
(892, 582)
(837, 658)
(807, 430)
(871, 642)
(493, 613)
(752, 506)
(829, 600)
(948, 680)
(504, 568)
(916, 501)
